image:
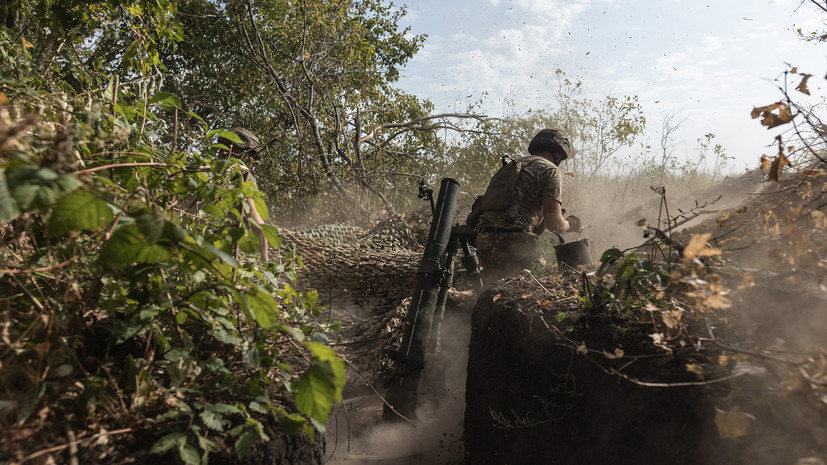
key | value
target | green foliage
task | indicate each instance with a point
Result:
(313, 79)
(322, 384)
(627, 281)
(130, 282)
(598, 130)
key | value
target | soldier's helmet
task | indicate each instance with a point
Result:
(250, 146)
(549, 140)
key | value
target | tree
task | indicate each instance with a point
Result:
(315, 79)
(122, 304)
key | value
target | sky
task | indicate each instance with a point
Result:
(707, 62)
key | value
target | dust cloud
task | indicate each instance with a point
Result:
(361, 436)
(615, 211)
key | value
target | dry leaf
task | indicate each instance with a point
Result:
(650, 307)
(802, 86)
(766, 162)
(814, 173)
(697, 247)
(770, 119)
(617, 354)
(722, 219)
(723, 360)
(695, 369)
(496, 297)
(672, 318)
(717, 301)
(582, 349)
(732, 424)
(776, 167)
(657, 338)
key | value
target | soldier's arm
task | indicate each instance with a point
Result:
(262, 242)
(553, 216)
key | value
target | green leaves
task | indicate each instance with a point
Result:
(8, 207)
(167, 280)
(229, 135)
(177, 440)
(128, 245)
(78, 210)
(36, 188)
(149, 239)
(259, 304)
(168, 101)
(321, 385)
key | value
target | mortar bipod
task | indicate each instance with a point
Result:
(461, 235)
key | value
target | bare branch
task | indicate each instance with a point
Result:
(412, 123)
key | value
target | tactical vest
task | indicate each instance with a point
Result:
(502, 194)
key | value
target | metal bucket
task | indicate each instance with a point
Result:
(573, 254)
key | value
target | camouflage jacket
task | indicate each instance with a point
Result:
(540, 179)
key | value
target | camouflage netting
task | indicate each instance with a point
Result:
(365, 278)
(371, 268)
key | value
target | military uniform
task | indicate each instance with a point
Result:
(506, 246)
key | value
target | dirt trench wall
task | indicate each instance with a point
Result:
(531, 399)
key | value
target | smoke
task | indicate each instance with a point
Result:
(615, 211)
(437, 436)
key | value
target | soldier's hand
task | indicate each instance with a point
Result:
(574, 223)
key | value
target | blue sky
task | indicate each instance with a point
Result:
(710, 62)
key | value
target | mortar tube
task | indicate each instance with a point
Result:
(410, 358)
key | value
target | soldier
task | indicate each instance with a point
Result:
(507, 235)
(247, 151)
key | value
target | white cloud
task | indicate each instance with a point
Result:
(712, 69)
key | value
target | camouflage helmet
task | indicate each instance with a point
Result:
(549, 140)
(249, 145)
